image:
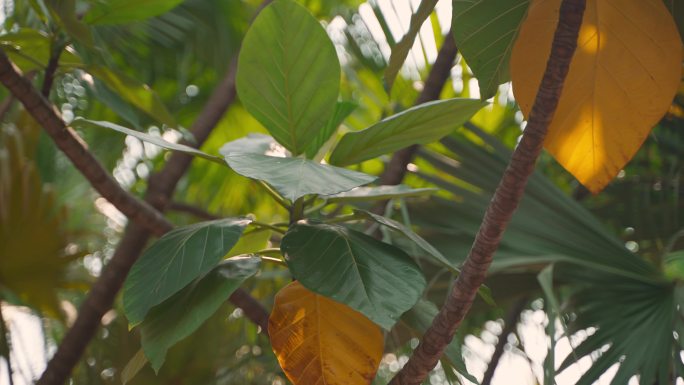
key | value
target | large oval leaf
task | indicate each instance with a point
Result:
(175, 260)
(288, 74)
(296, 177)
(180, 315)
(484, 32)
(320, 341)
(375, 278)
(622, 79)
(417, 125)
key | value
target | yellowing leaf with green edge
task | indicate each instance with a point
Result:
(320, 341)
(622, 79)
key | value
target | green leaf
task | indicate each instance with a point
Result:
(175, 260)
(64, 11)
(138, 94)
(179, 316)
(127, 11)
(296, 177)
(375, 278)
(402, 49)
(420, 318)
(85, 123)
(342, 111)
(29, 49)
(251, 144)
(484, 31)
(415, 238)
(288, 74)
(418, 125)
(380, 193)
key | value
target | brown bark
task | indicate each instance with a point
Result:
(503, 204)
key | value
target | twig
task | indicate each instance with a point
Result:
(503, 204)
(510, 322)
(5, 346)
(192, 210)
(441, 70)
(51, 68)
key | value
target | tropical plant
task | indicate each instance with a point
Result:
(361, 271)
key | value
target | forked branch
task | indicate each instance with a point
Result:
(503, 204)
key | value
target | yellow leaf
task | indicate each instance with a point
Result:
(320, 341)
(622, 79)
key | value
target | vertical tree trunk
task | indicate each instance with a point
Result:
(503, 204)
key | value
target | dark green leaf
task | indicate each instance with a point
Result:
(85, 123)
(138, 94)
(288, 74)
(296, 177)
(375, 278)
(415, 238)
(419, 318)
(418, 125)
(127, 11)
(175, 260)
(484, 31)
(180, 315)
(342, 111)
(402, 49)
(380, 193)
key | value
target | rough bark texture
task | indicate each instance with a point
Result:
(396, 168)
(503, 204)
(510, 322)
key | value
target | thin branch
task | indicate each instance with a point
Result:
(510, 322)
(192, 210)
(503, 204)
(396, 168)
(5, 347)
(51, 69)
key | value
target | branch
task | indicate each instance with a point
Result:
(192, 210)
(396, 169)
(510, 322)
(503, 204)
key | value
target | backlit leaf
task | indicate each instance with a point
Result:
(85, 123)
(418, 125)
(296, 177)
(380, 193)
(320, 341)
(127, 11)
(484, 31)
(375, 278)
(288, 74)
(402, 49)
(175, 260)
(622, 79)
(180, 315)
(342, 111)
(29, 49)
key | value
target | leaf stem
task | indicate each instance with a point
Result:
(277, 261)
(274, 194)
(268, 226)
(269, 251)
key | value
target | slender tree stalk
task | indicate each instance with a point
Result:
(503, 204)
(396, 168)
(510, 322)
(192, 210)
